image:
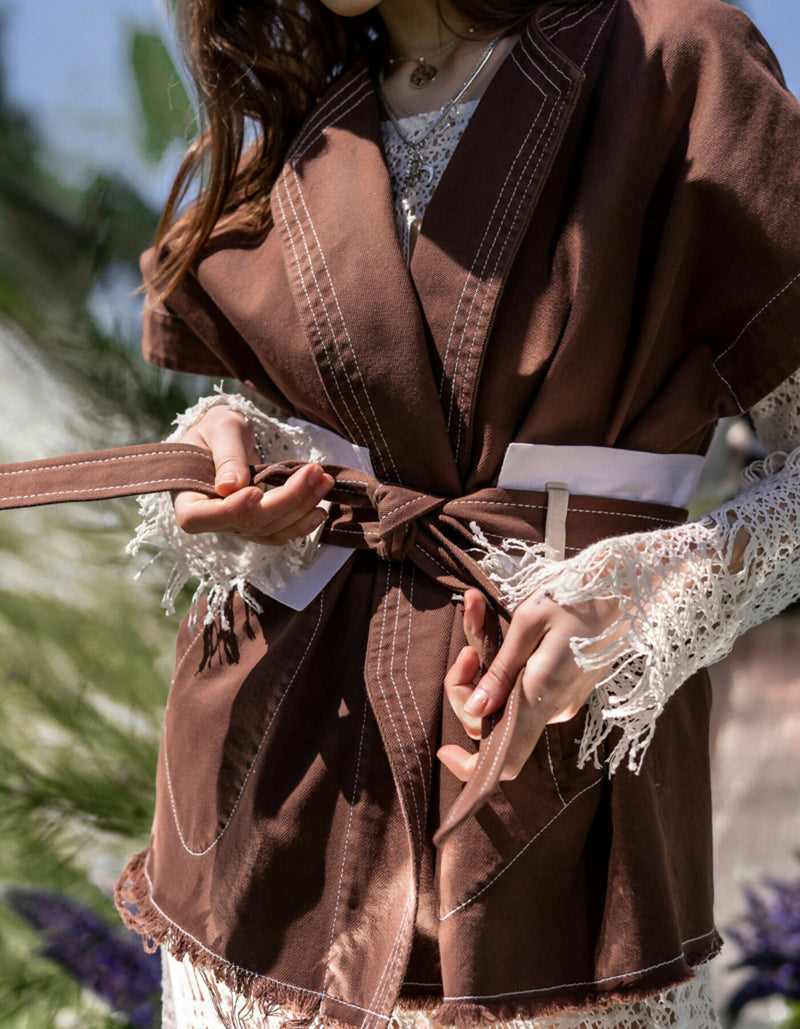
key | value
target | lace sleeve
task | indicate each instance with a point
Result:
(685, 594)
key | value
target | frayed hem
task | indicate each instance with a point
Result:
(301, 1008)
(139, 912)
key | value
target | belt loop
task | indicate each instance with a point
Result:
(555, 526)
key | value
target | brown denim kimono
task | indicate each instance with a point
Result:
(612, 258)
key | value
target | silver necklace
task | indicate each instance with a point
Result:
(417, 168)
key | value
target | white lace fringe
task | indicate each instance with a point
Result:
(685, 594)
(222, 562)
(195, 1000)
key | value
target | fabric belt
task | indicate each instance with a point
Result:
(393, 521)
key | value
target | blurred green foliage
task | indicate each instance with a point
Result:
(157, 79)
(84, 651)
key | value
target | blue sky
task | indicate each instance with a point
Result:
(66, 62)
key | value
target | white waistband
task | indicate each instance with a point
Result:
(603, 472)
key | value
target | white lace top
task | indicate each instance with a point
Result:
(411, 200)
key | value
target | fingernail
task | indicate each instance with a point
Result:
(322, 485)
(477, 703)
(226, 479)
(315, 476)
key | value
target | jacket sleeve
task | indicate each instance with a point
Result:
(738, 207)
(187, 333)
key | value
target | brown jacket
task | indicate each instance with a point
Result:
(612, 259)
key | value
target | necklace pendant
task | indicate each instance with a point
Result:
(423, 74)
(416, 171)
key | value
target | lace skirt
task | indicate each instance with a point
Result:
(194, 1000)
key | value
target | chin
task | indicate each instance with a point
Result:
(350, 8)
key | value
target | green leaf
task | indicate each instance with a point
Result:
(166, 110)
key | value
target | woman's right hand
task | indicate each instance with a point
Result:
(276, 516)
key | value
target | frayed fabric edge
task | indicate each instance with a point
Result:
(140, 913)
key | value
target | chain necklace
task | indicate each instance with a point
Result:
(417, 168)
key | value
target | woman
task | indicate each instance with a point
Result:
(571, 227)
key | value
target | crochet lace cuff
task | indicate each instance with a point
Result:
(223, 562)
(684, 596)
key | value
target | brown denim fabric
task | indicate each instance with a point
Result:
(611, 258)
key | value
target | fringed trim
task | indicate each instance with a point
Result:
(139, 912)
(223, 563)
(236, 994)
(684, 595)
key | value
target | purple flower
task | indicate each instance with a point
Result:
(106, 959)
(769, 940)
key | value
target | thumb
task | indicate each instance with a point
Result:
(230, 439)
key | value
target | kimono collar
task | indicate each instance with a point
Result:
(333, 209)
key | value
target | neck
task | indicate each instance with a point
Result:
(414, 27)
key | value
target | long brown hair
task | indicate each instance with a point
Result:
(258, 66)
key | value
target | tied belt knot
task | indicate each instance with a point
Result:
(399, 510)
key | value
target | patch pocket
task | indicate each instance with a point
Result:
(225, 696)
(550, 792)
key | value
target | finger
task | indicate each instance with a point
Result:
(252, 512)
(458, 686)
(229, 437)
(474, 619)
(524, 635)
(280, 508)
(196, 512)
(457, 761)
(303, 527)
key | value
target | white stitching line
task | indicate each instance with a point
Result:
(590, 982)
(251, 766)
(754, 319)
(550, 762)
(597, 35)
(139, 485)
(99, 460)
(346, 840)
(471, 272)
(556, 18)
(341, 111)
(239, 968)
(518, 855)
(398, 951)
(322, 111)
(563, 26)
(557, 108)
(423, 774)
(408, 503)
(387, 705)
(391, 963)
(405, 668)
(573, 510)
(483, 283)
(336, 409)
(333, 339)
(541, 149)
(357, 429)
(376, 421)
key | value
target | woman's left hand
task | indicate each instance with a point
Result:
(554, 688)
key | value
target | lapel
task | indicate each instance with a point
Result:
(489, 193)
(332, 206)
(400, 355)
